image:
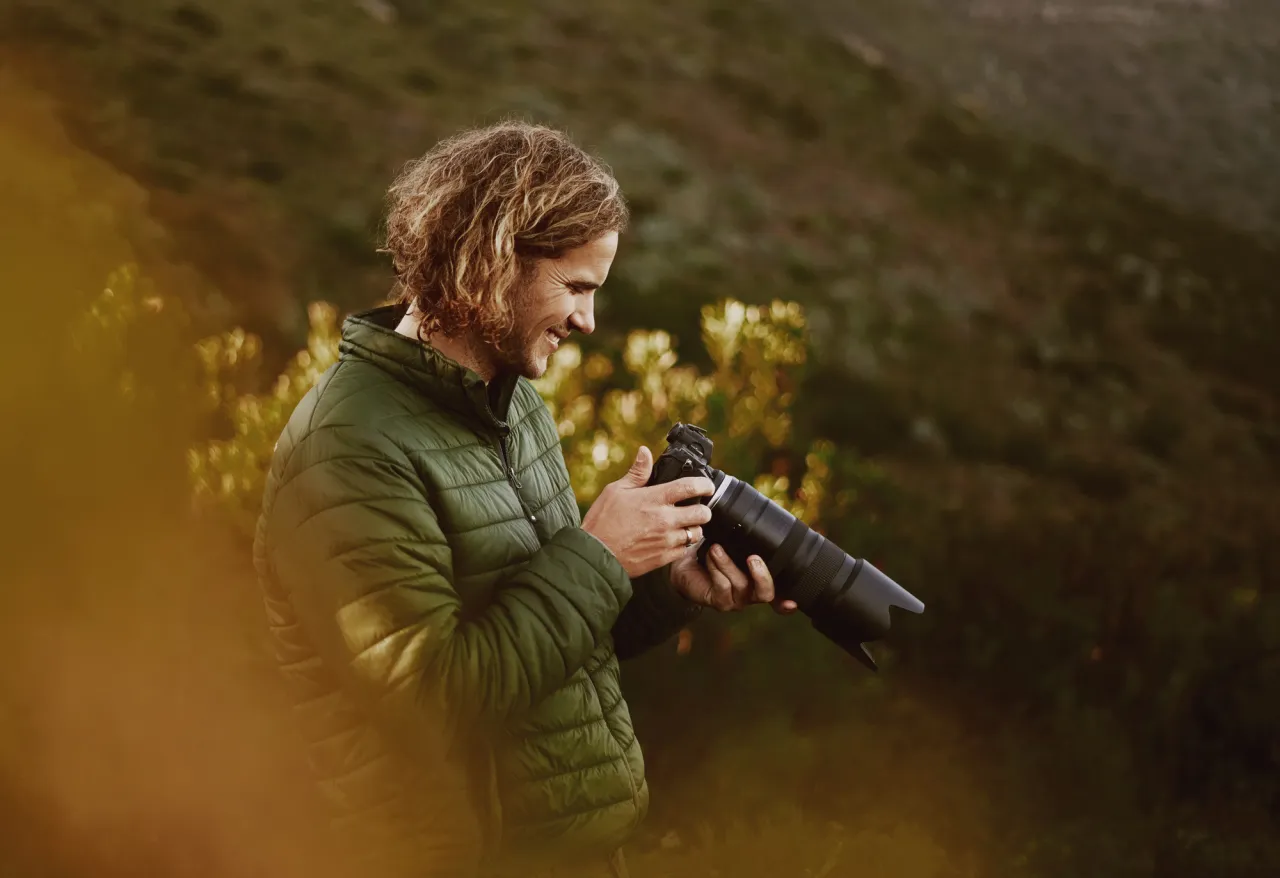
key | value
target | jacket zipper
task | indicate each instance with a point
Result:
(504, 430)
(514, 480)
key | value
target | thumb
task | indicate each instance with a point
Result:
(638, 474)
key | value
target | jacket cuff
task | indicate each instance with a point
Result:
(598, 556)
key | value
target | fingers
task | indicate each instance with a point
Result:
(721, 597)
(684, 537)
(689, 516)
(683, 489)
(762, 579)
(723, 568)
(757, 588)
(721, 584)
(641, 467)
(674, 554)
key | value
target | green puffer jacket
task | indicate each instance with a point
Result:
(451, 635)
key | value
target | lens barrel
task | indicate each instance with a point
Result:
(846, 598)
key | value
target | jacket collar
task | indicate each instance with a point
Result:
(371, 335)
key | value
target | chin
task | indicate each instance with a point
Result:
(535, 368)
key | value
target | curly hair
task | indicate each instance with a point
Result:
(468, 221)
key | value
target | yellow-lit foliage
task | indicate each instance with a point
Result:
(232, 471)
(744, 401)
(100, 333)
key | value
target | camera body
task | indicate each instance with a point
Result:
(688, 453)
(846, 598)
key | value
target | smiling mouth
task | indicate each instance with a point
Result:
(555, 337)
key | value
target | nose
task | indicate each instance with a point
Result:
(584, 318)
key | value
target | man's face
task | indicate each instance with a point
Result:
(560, 299)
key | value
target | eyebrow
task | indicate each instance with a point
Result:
(582, 286)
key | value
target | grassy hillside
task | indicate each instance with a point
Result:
(1073, 387)
(1177, 97)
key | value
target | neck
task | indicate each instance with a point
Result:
(463, 350)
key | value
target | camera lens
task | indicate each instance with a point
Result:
(846, 598)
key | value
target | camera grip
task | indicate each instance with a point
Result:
(669, 467)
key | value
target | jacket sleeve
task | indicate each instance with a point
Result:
(655, 612)
(354, 541)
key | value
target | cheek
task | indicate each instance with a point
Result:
(546, 307)
(555, 314)
(537, 331)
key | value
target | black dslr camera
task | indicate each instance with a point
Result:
(847, 598)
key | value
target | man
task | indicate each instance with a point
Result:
(451, 629)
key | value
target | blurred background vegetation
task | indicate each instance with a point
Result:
(983, 342)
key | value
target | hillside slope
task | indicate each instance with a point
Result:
(1177, 97)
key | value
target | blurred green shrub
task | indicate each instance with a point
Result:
(229, 474)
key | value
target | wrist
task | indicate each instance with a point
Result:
(600, 541)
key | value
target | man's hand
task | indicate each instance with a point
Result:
(723, 585)
(641, 524)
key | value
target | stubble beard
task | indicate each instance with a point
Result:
(516, 351)
(515, 355)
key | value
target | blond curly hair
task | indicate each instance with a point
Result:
(468, 221)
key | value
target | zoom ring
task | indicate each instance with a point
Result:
(818, 574)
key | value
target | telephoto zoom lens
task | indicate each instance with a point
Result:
(846, 598)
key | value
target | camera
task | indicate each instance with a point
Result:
(846, 598)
